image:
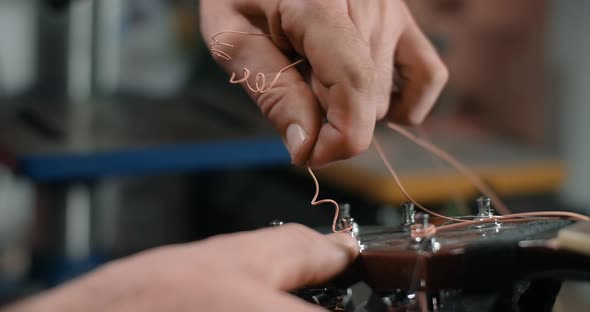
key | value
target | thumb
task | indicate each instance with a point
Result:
(275, 84)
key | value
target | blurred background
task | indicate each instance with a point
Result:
(118, 132)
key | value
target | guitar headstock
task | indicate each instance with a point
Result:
(473, 257)
(463, 257)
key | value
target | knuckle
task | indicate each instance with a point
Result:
(325, 6)
(295, 12)
(362, 77)
(435, 72)
(268, 101)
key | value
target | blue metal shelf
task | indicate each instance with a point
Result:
(154, 159)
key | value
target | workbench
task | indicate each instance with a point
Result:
(510, 168)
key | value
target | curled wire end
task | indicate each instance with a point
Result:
(245, 73)
(259, 85)
(220, 54)
(315, 202)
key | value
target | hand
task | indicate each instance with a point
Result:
(248, 271)
(352, 48)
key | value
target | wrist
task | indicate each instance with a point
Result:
(87, 293)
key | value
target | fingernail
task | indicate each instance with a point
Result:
(295, 137)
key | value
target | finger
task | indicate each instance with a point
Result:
(341, 61)
(423, 76)
(305, 257)
(289, 256)
(381, 23)
(289, 104)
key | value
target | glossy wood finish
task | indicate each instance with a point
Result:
(390, 261)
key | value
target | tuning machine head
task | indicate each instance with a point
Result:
(408, 216)
(422, 234)
(484, 207)
(485, 211)
(275, 223)
(345, 221)
(422, 219)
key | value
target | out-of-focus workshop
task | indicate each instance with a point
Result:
(120, 133)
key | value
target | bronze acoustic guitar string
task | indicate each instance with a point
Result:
(400, 185)
(518, 218)
(419, 231)
(260, 78)
(455, 163)
(514, 217)
(455, 195)
(315, 202)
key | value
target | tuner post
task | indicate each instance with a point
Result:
(422, 220)
(484, 207)
(485, 212)
(345, 221)
(408, 214)
(275, 223)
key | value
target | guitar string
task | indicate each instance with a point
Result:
(260, 78)
(513, 217)
(400, 185)
(260, 87)
(455, 163)
(315, 202)
(455, 195)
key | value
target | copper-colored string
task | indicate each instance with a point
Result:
(438, 152)
(400, 185)
(315, 202)
(454, 194)
(260, 78)
(514, 217)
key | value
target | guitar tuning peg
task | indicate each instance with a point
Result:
(484, 207)
(422, 219)
(408, 214)
(275, 223)
(420, 238)
(485, 211)
(344, 210)
(346, 221)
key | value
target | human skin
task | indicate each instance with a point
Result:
(249, 271)
(352, 48)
